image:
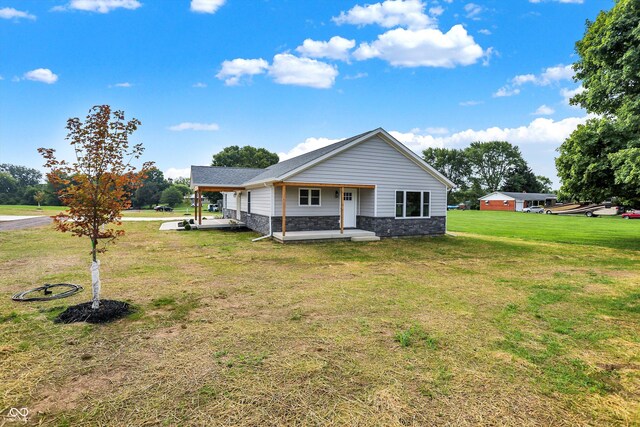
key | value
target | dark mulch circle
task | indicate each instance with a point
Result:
(108, 311)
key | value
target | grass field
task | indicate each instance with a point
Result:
(512, 322)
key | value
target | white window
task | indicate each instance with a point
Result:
(413, 204)
(309, 197)
(248, 202)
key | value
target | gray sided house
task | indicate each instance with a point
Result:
(367, 182)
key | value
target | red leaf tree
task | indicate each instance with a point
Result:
(98, 185)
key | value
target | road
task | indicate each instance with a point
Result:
(19, 224)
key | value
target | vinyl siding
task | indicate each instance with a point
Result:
(329, 204)
(231, 200)
(260, 200)
(376, 162)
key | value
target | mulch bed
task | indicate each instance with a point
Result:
(108, 311)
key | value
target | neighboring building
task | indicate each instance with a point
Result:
(507, 201)
(369, 182)
(192, 199)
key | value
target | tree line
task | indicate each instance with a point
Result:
(484, 167)
(21, 185)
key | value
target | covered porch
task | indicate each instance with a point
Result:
(329, 219)
(199, 190)
(353, 234)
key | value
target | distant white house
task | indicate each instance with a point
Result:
(508, 201)
(192, 199)
(369, 182)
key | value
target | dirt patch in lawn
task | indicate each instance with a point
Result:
(108, 311)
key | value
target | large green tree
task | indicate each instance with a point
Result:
(244, 157)
(491, 162)
(601, 159)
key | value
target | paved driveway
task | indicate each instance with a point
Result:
(23, 222)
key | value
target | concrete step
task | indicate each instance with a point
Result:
(365, 238)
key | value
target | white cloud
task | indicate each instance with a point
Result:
(470, 103)
(100, 6)
(11, 13)
(427, 47)
(199, 85)
(43, 75)
(336, 48)
(356, 76)
(558, 1)
(388, 14)
(233, 71)
(174, 173)
(539, 131)
(473, 10)
(288, 69)
(556, 74)
(210, 127)
(485, 31)
(436, 11)
(547, 77)
(506, 91)
(206, 6)
(544, 110)
(123, 84)
(309, 144)
(567, 94)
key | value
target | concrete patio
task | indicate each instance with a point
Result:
(353, 234)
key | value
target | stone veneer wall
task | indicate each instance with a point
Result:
(307, 223)
(259, 223)
(388, 227)
(229, 213)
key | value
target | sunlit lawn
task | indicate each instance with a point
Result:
(508, 323)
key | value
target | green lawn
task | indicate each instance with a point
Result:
(611, 232)
(497, 326)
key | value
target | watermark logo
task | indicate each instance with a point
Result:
(18, 414)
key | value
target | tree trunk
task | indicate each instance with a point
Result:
(95, 277)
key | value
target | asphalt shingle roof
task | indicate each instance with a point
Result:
(223, 176)
(529, 196)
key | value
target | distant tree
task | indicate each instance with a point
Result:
(182, 181)
(491, 162)
(24, 176)
(450, 162)
(521, 179)
(183, 189)
(96, 186)
(151, 191)
(601, 159)
(39, 197)
(8, 189)
(245, 157)
(545, 184)
(171, 196)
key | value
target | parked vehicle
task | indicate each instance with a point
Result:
(631, 215)
(212, 208)
(587, 209)
(163, 209)
(534, 209)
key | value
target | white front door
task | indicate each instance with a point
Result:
(350, 202)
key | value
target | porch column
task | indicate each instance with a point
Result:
(199, 207)
(284, 210)
(341, 210)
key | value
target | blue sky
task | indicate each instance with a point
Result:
(291, 75)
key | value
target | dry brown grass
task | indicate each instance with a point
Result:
(238, 333)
